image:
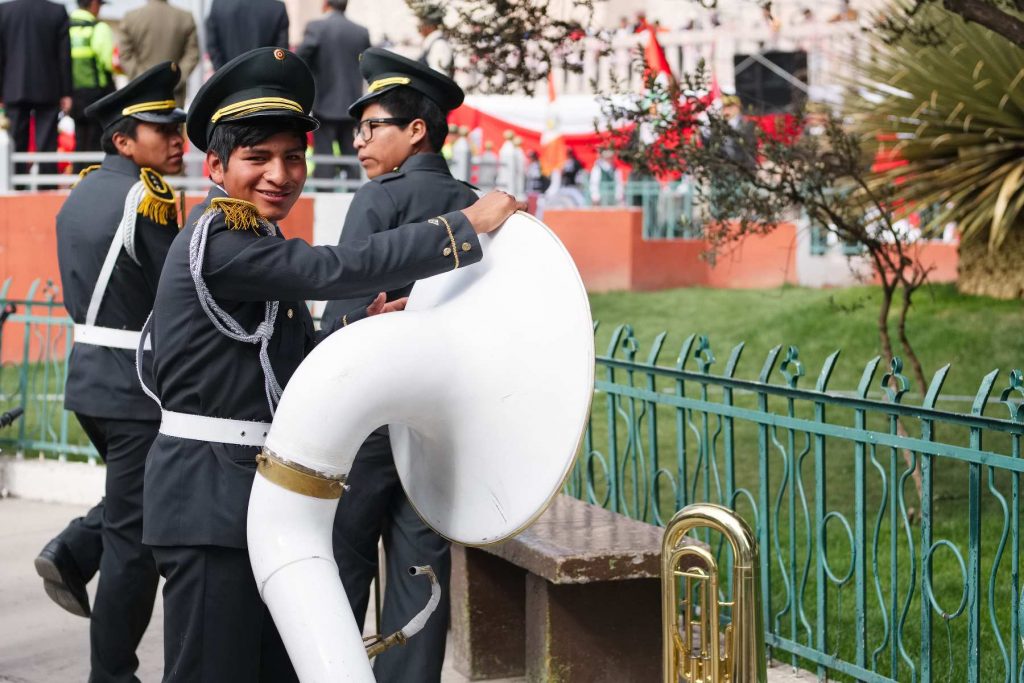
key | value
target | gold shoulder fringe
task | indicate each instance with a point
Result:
(238, 213)
(86, 171)
(157, 203)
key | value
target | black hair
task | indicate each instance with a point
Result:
(340, 5)
(406, 103)
(127, 126)
(82, 4)
(227, 137)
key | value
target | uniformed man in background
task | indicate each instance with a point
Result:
(229, 327)
(113, 233)
(402, 127)
(436, 52)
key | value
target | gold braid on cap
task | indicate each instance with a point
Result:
(148, 106)
(385, 82)
(254, 106)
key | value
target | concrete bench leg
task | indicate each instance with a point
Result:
(488, 627)
(608, 631)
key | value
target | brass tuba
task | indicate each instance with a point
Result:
(737, 655)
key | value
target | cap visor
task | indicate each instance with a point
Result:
(357, 107)
(168, 116)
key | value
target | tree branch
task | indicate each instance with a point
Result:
(991, 17)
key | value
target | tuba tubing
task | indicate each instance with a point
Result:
(485, 381)
(293, 562)
(290, 542)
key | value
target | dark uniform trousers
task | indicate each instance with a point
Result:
(211, 596)
(128, 576)
(84, 537)
(375, 506)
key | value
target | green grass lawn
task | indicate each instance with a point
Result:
(974, 335)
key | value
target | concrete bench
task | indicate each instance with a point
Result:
(576, 597)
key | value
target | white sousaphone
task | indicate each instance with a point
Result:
(485, 381)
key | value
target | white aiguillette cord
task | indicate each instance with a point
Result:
(222, 320)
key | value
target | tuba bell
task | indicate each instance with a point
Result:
(737, 656)
(485, 381)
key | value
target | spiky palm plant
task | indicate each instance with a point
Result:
(955, 113)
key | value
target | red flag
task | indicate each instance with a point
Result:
(657, 62)
(553, 151)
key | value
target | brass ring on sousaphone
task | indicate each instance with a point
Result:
(485, 381)
(737, 656)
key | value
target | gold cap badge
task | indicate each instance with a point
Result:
(279, 55)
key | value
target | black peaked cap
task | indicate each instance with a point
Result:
(265, 83)
(384, 70)
(150, 98)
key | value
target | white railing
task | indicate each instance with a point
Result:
(831, 49)
(31, 176)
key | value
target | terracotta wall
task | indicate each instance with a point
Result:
(611, 253)
(943, 258)
(28, 244)
(28, 251)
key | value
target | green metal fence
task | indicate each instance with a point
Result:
(867, 579)
(34, 347)
(889, 529)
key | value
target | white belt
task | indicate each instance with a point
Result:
(215, 429)
(109, 337)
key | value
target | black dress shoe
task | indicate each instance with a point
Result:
(61, 578)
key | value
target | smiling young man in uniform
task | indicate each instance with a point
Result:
(229, 327)
(113, 233)
(402, 127)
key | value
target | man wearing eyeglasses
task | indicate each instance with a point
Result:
(402, 124)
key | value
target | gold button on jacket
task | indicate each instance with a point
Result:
(447, 251)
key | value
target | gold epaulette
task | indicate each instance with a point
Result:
(238, 213)
(86, 171)
(158, 203)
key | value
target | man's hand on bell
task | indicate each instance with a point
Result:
(490, 211)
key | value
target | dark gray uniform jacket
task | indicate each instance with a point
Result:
(422, 187)
(237, 26)
(102, 382)
(331, 47)
(197, 492)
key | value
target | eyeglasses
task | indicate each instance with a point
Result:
(365, 128)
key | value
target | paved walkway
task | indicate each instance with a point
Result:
(41, 643)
